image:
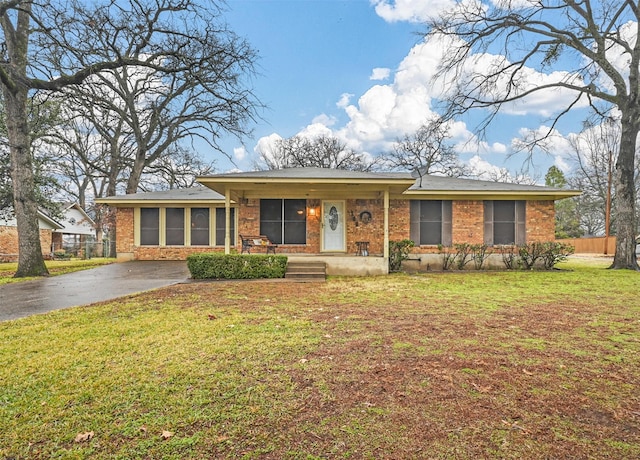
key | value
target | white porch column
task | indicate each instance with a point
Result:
(386, 224)
(227, 221)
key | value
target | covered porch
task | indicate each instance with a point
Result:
(342, 218)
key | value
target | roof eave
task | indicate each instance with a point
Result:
(140, 202)
(496, 194)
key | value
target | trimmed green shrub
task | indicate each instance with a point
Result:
(236, 266)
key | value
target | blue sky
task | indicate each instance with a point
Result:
(360, 73)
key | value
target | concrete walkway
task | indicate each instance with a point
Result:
(18, 300)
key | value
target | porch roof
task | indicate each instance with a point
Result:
(312, 182)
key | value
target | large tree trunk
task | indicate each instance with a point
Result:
(136, 171)
(625, 202)
(30, 259)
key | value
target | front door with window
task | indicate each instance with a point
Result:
(333, 226)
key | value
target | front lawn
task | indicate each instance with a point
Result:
(55, 267)
(504, 365)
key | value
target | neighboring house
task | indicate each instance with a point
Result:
(9, 235)
(78, 229)
(68, 233)
(332, 215)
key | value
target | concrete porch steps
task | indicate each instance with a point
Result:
(306, 271)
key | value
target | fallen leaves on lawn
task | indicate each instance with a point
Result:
(84, 437)
(167, 434)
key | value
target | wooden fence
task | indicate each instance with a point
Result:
(594, 245)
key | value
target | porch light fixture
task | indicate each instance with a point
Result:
(313, 208)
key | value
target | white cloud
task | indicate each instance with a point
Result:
(484, 170)
(324, 119)
(239, 153)
(380, 73)
(417, 11)
(266, 144)
(344, 101)
(315, 130)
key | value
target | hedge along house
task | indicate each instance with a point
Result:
(343, 218)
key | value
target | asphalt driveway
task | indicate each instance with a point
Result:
(18, 300)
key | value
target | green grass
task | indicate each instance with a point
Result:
(55, 267)
(442, 365)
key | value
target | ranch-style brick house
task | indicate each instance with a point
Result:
(344, 218)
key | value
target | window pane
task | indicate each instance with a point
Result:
(271, 220)
(431, 211)
(295, 222)
(175, 227)
(295, 233)
(150, 226)
(220, 226)
(504, 222)
(272, 230)
(295, 210)
(200, 226)
(431, 233)
(504, 233)
(504, 211)
(271, 210)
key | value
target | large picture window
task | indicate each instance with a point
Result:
(174, 228)
(284, 221)
(505, 222)
(150, 226)
(430, 222)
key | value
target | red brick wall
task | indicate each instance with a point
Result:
(468, 221)
(467, 215)
(9, 243)
(170, 252)
(124, 230)
(541, 221)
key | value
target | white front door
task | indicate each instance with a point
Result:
(333, 226)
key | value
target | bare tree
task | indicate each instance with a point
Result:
(52, 45)
(598, 40)
(595, 151)
(321, 152)
(178, 169)
(427, 151)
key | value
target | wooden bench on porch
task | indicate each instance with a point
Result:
(259, 241)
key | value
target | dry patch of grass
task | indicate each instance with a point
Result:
(445, 365)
